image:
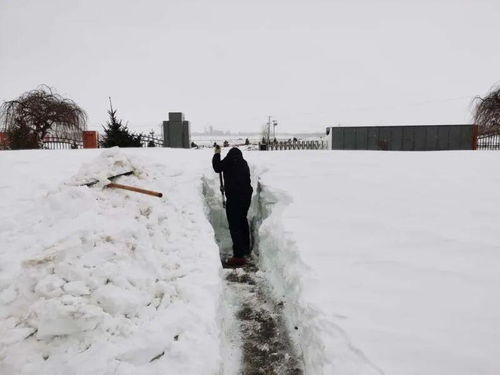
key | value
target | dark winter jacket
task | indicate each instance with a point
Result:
(236, 174)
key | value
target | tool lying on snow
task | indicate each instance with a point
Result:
(137, 190)
(125, 187)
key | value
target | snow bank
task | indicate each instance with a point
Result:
(324, 346)
(388, 262)
(106, 281)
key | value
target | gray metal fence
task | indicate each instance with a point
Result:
(488, 142)
(297, 145)
(61, 143)
(151, 141)
(404, 138)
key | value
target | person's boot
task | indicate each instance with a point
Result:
(235, 262)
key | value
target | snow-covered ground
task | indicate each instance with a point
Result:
(386, 262)
(396, 253)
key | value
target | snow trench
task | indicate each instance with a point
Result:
(256, 338)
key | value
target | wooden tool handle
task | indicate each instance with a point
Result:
(137, 190)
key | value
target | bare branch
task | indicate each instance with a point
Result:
(487, 112)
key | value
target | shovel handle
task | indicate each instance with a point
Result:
(222, 190)
(137, 190)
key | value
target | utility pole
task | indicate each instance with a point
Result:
(275, 123)
(268, 128)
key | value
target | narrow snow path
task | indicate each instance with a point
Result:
(266, 344)
(257, 341)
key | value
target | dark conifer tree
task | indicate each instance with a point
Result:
(117, 134)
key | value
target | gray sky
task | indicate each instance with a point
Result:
(230, 64)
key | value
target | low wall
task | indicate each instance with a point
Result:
(404, 138)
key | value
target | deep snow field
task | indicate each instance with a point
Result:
(386, 262)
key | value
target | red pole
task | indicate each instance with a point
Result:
(475, 132)
(90, 139)
(4, 140)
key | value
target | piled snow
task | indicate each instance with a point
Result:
(110, 163)
(389, 262)
(106, 281)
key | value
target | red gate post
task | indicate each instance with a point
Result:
(4, 140)
(90, 139)
(475, 132)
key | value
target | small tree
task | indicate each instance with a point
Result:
(117, 134)
(38, 113)
(487, 112)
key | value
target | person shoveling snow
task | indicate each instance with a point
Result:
(238, 190)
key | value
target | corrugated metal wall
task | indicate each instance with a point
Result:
(404, 138)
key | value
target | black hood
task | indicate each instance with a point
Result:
(236, 173)
(235, 154)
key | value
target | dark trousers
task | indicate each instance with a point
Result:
(236, 211)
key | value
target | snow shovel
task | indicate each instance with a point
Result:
(222, 191)
(125, 187)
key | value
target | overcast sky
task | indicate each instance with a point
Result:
(230, 64)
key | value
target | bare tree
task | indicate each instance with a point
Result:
(38, 113)
(487, 112)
